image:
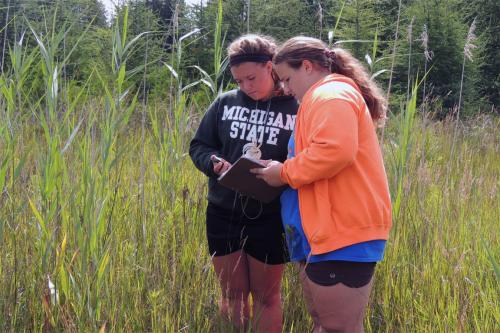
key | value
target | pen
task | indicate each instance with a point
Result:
(216, 159)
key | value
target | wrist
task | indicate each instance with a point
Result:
(282, 173)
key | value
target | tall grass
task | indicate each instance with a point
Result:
(437, 276)
(102, 218)
(109, 271)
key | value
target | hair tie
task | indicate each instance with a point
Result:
(330, 54)
(252, 57)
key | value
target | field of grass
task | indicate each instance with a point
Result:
(102, 213)
(109, 231)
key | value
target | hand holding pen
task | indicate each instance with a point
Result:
(220, 164)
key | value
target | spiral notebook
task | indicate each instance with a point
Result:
(239, 178)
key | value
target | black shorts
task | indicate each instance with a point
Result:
(351, 273)
(262, 238)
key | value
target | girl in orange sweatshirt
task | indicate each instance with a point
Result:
(337, 210)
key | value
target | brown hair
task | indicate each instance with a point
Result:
(253, 44)
(337, 60)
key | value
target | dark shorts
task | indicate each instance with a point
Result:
(350, 273)
(262, 238)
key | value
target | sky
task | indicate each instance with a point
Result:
(110, 4)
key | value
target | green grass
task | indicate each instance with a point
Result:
(102, 211)
(133, 268)
(437, 275)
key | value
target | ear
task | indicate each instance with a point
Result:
(308, 66)
(269, 66)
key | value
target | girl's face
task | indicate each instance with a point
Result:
(296, 82)
(254, 79)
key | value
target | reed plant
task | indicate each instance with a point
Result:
(102, 221)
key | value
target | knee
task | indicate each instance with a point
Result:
(341, 325)
(236, 302)
(236, 295)
(326, 328)
(234, 307)
(267, 300)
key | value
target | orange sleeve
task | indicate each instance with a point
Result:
(331, 144)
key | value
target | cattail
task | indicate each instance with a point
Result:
(393, 56)
(469, 42)
(468, 47)
(330, 38)
(424, 37)
(5, 34)
(248, 16)
(410, 41)
(428, 54)
(410, 29)
(320, 19)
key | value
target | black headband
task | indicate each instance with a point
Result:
(238, 59)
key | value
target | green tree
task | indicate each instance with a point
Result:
(487, 15)
(284, 19)
(359, 22)
(148, 51)
(446, 36)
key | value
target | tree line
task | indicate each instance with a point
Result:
(450, 46)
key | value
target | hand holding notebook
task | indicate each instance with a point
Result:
(239, 178)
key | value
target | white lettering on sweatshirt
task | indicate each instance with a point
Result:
(249, 125)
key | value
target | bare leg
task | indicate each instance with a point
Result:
(308, 299)
(265, 286)
(338, 308)
(232, 271)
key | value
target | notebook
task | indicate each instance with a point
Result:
(239, 178)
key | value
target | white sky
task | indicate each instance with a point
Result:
(110, 4)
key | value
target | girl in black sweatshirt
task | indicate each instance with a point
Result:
(245, 237)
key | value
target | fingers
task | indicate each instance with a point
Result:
(270, 174)
(216, 159)
(221, 167)
(260, 173)
(225, 166)
(220, 164)
(257, 171)
(218, 167)
(265, 162)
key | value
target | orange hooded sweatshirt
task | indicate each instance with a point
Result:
(338, 168)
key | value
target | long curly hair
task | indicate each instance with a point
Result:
(337, 60)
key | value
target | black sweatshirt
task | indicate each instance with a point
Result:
(232, 121)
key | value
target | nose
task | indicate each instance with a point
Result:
(246, 86)
(286, 88)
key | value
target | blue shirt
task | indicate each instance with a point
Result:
(299, 247)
